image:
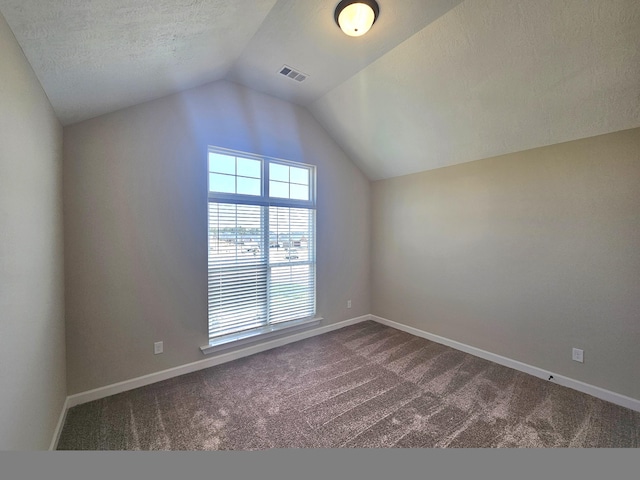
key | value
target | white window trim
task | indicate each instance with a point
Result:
(258, 334)
(262, 333)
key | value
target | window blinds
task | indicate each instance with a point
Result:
(237, 268)
(292, 271)
(257, 279)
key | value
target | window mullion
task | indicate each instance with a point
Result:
(265, 245)
(265, 187)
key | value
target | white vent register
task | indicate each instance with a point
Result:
(293, 74)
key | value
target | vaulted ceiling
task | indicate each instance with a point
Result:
(434, 83)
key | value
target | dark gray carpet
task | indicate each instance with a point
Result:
(363, 386)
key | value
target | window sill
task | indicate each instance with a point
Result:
(257, 335)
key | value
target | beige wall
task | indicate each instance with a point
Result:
(524, 255)
(136, 223)
(32, 356)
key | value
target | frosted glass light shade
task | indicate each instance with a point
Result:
(355, 18)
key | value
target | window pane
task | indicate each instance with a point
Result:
(237, 273)
(249, 168)
(291, 293)
(279, 189)
(249, 186)
(222, 183)
(299, 192)
(291, 284)
(291, 231)
(222, 163)
(300, 175)
(278, 172)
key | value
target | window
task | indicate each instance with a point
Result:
(261, 241)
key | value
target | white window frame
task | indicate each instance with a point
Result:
(246, 336)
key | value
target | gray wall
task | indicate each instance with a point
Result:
(136, 223)
(32, 354)
(525, 255)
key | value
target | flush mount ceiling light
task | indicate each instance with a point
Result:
(355, 17)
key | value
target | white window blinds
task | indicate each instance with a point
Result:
(237, 268)
(261, 245)
(292, 267)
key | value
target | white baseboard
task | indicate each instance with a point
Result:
(607, 395)
(130, 384)
(59, 425)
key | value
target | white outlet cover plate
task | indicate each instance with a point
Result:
(578, 355)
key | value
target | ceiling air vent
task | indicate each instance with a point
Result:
(291, 73)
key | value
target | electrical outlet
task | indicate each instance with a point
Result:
(158, 348)
(578, 355)
(348, 303)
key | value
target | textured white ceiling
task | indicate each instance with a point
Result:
(304, 35)
(434, 83)
(97, 56)
(488, 78)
